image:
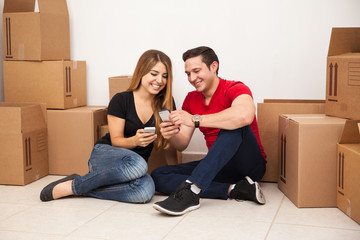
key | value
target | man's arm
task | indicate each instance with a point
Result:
(240, 114)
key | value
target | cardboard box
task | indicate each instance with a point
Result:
(59, 84)
(36, 36)
(268, 123)
(343, 74)
(23, 143)
(308, 146)
(72, 136)
(348, 169)
(157, 157)
(118, 84)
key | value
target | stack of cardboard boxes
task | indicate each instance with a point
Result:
(313, 148)
(48, 127)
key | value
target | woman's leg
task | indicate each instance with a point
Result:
(109, 165)
(140, 190)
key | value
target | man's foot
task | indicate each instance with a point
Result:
(47, 192)
(181, 201)
(247, 189)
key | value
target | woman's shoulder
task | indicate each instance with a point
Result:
(121, 96)
(124, 94)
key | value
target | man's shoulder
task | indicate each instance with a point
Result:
(233, 89)
(230, 83)
(194, 94)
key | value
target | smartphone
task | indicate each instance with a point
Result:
(164, 115)
(149, 129)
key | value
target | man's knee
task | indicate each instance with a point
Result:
(156, 173)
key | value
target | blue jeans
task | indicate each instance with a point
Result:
(115, 174)
(234, 155)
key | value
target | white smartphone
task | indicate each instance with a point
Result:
(150, 129)
(164, 115)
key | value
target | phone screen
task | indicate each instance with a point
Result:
(164, 115)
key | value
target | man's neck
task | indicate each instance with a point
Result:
(210, 92)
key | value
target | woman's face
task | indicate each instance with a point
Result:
(155, 80)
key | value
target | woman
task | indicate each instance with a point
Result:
(118, 162)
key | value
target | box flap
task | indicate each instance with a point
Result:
(22, 117)
(350, 132)
(293, 101)
(53, 6)
(344, 40)
(11, 6)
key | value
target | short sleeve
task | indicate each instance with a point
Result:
(118, 105)
(174, 105)
(237, 89)
(186, 105)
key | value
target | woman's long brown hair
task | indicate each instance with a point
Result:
(163, 100)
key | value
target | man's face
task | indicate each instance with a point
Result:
(199, 75)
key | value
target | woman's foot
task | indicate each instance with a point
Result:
(58, 189)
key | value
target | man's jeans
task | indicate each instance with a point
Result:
(115, 174)
(234, 155)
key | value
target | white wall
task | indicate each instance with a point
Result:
(278, 47)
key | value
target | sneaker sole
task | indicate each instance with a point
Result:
(163, 210)
(259, 195)
(260, 198)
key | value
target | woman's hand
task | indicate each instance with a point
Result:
(168, 129)
(143, 139)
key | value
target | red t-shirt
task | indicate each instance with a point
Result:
(223, 97)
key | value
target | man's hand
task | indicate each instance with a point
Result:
(181, 117)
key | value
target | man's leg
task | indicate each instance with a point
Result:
(168, 178)
(227, 145)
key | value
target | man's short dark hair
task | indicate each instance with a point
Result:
(208, 55)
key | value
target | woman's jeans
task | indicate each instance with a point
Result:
(234, 155)
(115, 174)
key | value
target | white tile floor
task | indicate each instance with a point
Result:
(24, 216)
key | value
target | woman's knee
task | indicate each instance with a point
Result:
(134, 166)
(145, 190)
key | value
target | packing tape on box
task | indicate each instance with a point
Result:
(348, 207)
(75, 101)
(74, 65)
(308, 117)
(287, 124)
(21, 51)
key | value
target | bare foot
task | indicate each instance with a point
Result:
(63, 189)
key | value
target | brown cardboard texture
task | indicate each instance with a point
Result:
(59, 84)
(348, 169)
(157, 157)
(36, 36)
(118, 84)
(307, 147)
(343, 74)
(268, 123)
(72, 135)
(23, 143)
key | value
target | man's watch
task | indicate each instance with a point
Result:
(196, 119)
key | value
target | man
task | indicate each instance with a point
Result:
(224, 112)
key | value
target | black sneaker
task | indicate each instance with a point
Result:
(247, 189)
(181, 201)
